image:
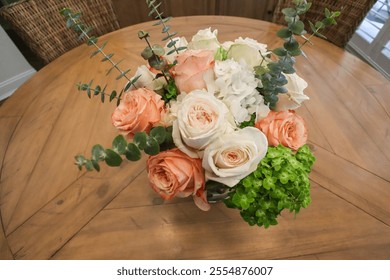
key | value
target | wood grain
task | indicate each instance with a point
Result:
(50, 210)
(180, 231)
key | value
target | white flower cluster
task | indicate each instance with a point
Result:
(235, 84)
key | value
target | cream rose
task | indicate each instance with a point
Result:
(172, 173)
(148, 79)
(285, 127)
(138, 111)
(190, 69)
(294, 96)
(233, 156)
(248, 50)
(201, 117)
(205, 39)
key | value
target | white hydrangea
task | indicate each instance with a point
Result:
(235, 84)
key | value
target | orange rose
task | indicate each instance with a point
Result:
(138, 111)
(285, 127)
(190, 68)
(172, 173)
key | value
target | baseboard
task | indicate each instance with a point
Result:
(8, 87)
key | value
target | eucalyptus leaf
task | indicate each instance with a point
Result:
(147, 53)
(98, 152)
(89, 165)
(291, 12)
(119, 98)
(119, 144)
(80, 161)
(123, 74)
(92, 41)
(107, 57)
(159, 134)
(112, 95)
(96, 165)
(97, 90)
(284, 33)
(171, 43)
(112, 158)
(291, 45)
(142, 34)
(166, 28)
(133, 153)
(181, 48)
(169, 36)
(140, 139)
(171, 51)
(297, 27)
(152, 147)
(280, 51)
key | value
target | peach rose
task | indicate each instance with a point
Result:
(190, 68)
(285, 127)
(138, 111)
(172, 173)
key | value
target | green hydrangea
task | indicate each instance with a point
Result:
(281, 181)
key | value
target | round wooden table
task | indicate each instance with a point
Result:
(51, 210)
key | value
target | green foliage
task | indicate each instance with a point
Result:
(279, 182)
(221, 54)
(159, 138)
(153, 6)
(73, 22)
(251, 122)
(272, 75)
(99, 91)
(153, 54)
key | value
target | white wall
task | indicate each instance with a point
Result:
(14, 68)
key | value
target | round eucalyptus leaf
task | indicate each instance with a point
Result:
(112, 158)
(140, 140)
(98, 152)
(133, 153)
(152, 147)
(119, 144)
(147, 53)
(158, 133)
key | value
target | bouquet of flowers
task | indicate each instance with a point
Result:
(217, 119)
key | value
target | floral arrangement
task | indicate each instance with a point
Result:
(217, 119)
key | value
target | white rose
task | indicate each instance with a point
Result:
(248, 50)
(148, 79)
(180, 42)
(233, 156)
(205, 39)
(201, 118)
(295, 96)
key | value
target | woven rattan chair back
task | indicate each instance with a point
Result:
(43, 29)
(352, 14)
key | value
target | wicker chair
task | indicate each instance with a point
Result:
(352, 14)
(43, 29)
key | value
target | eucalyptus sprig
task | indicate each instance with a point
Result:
(159, 138)
(153, 5)
(73, 22)
(98, 90)
(154, 56)
(271, 75)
